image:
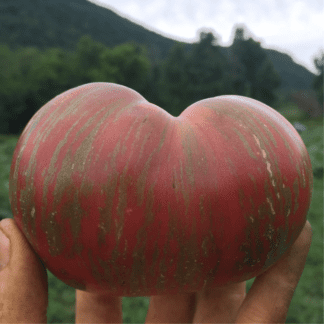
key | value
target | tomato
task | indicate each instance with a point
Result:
(115, 194)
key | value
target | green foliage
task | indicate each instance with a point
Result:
(32, 77)
(258, 70)
(266, 81)
(86, 62)
(12, 86)
(313, 139)
(127, 64)
(291, 112)
(318, 79)
(204, 72)
(206, 69)
(7, 146)
(190, 76)
(48, 77)
(174, 81)
(61, 300)
(135, 309)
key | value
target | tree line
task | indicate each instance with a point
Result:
(30, 77)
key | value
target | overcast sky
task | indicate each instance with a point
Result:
(294, 27)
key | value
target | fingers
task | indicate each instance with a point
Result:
(97, 308)
(171, 309)
(219, 305)
(23, 281)
(270, 295)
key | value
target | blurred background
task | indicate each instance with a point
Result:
(174, 53)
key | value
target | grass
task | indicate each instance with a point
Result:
(307, 303)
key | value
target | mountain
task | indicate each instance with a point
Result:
(60, 23)
(293, 75)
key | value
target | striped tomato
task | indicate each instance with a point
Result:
(115, 194)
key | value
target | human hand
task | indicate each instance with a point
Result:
(24, 286)
(267, 301)
(24, 291)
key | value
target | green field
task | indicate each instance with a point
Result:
(307, 303)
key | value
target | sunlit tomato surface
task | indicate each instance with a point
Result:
(115, 194)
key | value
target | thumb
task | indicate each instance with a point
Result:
(23, 278)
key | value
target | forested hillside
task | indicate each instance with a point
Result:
(48, 47)
(61, 23)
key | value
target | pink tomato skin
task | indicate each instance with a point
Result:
(115, 194)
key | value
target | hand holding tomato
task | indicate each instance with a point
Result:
(24, 291)
(119, 198)
(24, 286)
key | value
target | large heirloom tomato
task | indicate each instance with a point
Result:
(115, 194)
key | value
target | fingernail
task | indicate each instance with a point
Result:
(4, 250)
